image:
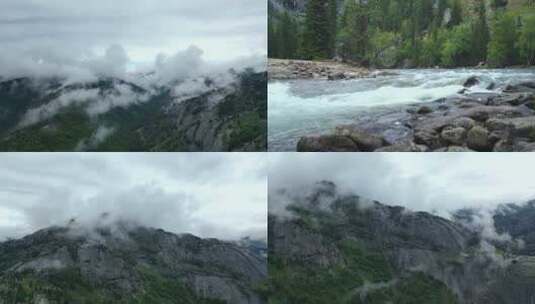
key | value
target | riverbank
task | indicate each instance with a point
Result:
(502, 120)
(286, 69)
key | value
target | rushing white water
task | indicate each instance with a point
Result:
(305, 107)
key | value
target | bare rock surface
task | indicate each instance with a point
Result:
(284, 69)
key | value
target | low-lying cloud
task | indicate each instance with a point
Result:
(205, 195)
(436, 183)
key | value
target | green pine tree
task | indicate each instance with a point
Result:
(480, 33)
(456, 13)
(316, 36)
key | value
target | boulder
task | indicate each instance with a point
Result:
(464, 122)
(424, 110)
(525, 146)
(496, 124)
(522, 126)
(365, 141)
(478, 139)
(514, 99)
(458, 149)
(327, 143)
(472, 81)
(429, 138)
(503, 146)
(337, 76)
(454, 135)
(520, 88)
(407, 146)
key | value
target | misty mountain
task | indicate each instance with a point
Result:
(138, 114)
(125, 263)
(338, 248)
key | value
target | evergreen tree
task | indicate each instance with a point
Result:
(456, 13)
(354, 34)
(288, 37)
(480, 33)
(317, 31)
(272, 39)
(527, 41)
(393, 20)
(333, 26)
(502, 45)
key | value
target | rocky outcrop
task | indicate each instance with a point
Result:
(485, 122)
(321, 225)
(282, 69)
(123, 261)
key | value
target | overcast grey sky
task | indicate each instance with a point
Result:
(66, 31)
(440, 182)
(210, 195)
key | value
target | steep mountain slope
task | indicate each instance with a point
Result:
(112, 114)
(123, 263)
(335, 248)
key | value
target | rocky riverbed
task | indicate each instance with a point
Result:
(283, 69)
(502, 120)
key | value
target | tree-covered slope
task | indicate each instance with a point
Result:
(115, 115)
(395, 33)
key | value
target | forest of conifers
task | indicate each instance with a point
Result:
(406, 33)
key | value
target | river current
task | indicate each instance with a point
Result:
(310, 107)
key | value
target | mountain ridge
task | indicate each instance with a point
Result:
(126, 263)
(113, 114)
(353, 250)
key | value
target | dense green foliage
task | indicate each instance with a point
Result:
(68, 286)
(362, 274)
(240, 120)
(413, 33)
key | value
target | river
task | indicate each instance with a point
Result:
(311, 107)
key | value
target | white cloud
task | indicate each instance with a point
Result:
(57, 34)
(210, 195)
(439, 183)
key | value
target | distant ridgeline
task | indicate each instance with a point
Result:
(405, 33)
(111, 114)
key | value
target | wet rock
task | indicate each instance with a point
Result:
(482, 113)
(522, 126)
(472, 81)
(514, 99)
(496, 124)
(455, 136)
(478, 139)
(424, 110)
(365, 141)
(429, 138)
(404, 147)
(464, 122)
(496, 136)
(327, 143)
(458, 149)
(521, 87)
(525, 146)
(337, 76)
(503, 146)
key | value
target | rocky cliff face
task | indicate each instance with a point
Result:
(122, 263)
(112, 114)
(357, 251)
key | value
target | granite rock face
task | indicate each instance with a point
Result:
(123, 262)
(450, 255)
